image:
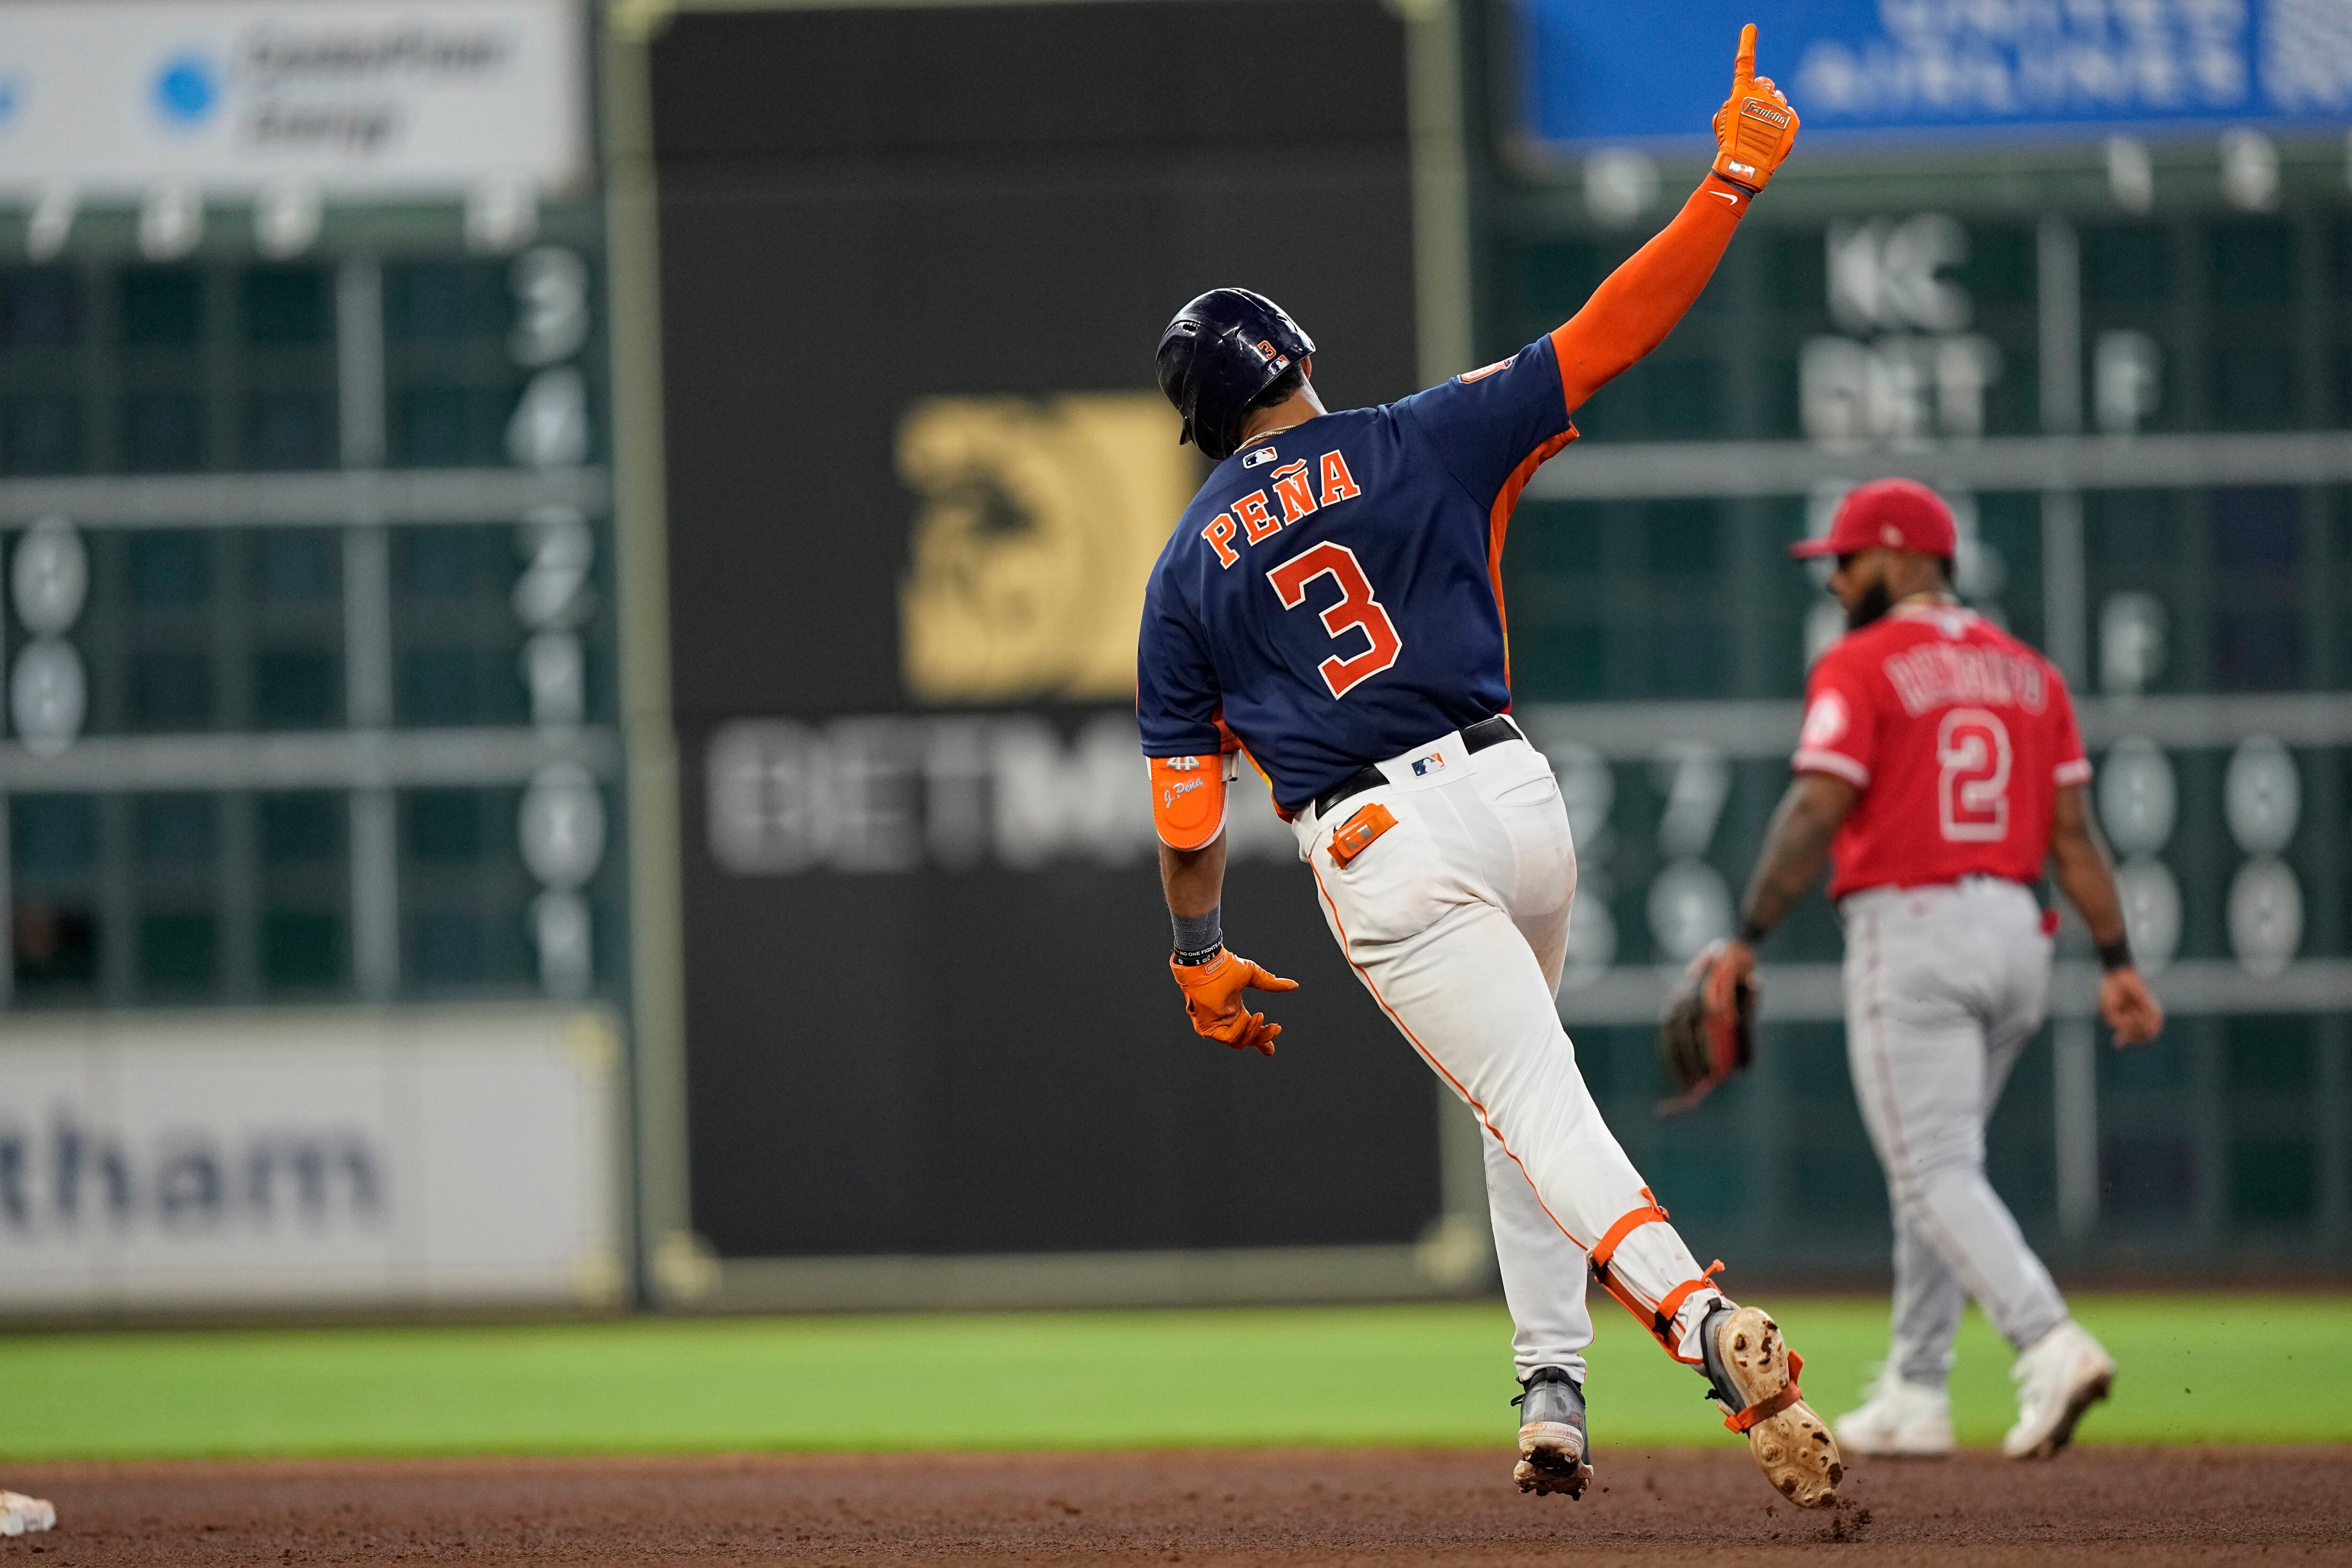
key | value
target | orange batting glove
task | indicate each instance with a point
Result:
(1755, 128)
(1212, 995)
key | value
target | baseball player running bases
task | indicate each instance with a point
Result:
(1940, 768)
(1332, 602)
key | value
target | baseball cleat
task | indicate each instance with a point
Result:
(1553, 1454)
(22, 1515)
(1753, 1375)
(2058, 1376)
(1898, 1420)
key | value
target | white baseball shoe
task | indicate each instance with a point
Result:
(22, 1515)
(2058, 1376)
(1898, 1420)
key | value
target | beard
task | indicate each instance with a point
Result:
(1874, 602)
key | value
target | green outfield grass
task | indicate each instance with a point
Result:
(2199, 1368)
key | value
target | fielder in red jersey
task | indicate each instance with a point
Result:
(1939, 768)
(1936, 715)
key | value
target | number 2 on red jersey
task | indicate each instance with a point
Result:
(1356, 610)
(1974, 758)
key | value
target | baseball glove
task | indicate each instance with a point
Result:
(1699, 1049)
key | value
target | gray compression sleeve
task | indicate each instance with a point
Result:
(1198, 936)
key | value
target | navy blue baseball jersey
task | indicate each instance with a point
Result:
(1334, 592)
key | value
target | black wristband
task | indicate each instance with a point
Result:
(2115, 955)
(1200, 956)
(1753, 931)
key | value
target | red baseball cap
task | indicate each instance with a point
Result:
(1889, 514)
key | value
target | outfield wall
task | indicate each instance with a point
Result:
(446, 1157)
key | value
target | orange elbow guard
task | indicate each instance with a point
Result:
(1188, 798)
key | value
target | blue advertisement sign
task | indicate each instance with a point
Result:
(1913, 70)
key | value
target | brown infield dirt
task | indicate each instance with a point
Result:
(2147, 1506)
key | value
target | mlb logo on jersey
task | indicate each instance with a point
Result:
(1264, 455)
(1423, 767)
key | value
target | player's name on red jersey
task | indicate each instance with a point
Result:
(1939, 674)
(1958, 737)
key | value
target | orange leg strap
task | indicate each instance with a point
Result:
(1766, 1409)
(1673, 1303)
(1660, 1321)
(1633, 1219)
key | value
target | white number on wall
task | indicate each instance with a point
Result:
(551, 291)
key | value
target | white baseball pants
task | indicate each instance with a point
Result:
(1945, 986)
(1455, 919)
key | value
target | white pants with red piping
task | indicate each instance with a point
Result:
(1455, 919)
(1944, 987)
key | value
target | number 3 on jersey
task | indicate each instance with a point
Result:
(1357, 611)
(1973, 753)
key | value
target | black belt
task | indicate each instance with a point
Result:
(1476, 736)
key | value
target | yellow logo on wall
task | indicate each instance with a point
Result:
(1040, 522)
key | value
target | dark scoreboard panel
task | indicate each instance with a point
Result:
(915, 264)
(174, 430)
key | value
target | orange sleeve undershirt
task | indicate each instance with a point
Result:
(1637, 305)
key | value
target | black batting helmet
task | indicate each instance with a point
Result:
(1219, 353)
